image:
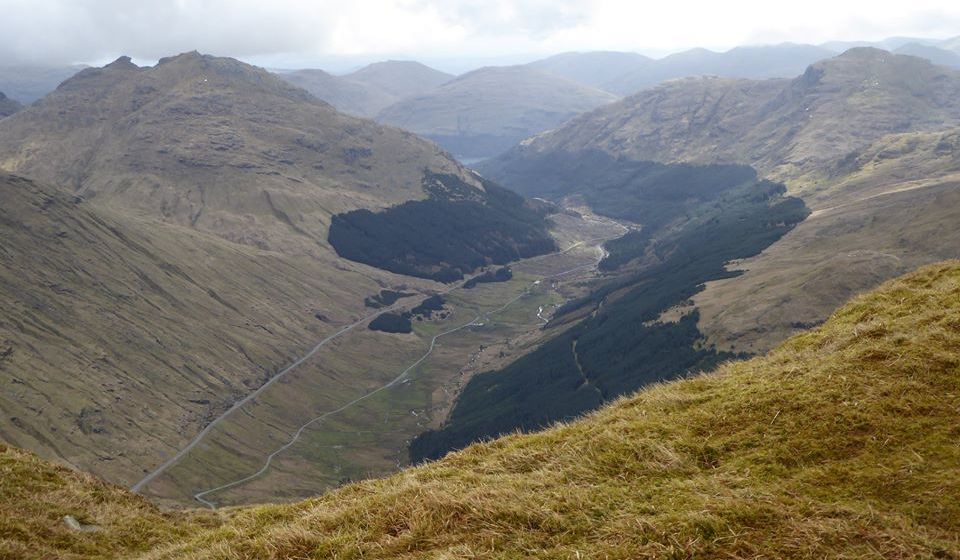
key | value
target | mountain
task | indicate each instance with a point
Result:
(172, 248)
(951, 44)
(486, 111)
(768, 61)
(756, 207)
(785, 128)
(839, 443)
(595, 68)
(219, 146)
(399, 78)
(27, 83)
(347, 96)
(8, 106)
(935, 55)
(888, 44)
(371, 89)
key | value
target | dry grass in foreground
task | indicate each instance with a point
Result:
(842, 443)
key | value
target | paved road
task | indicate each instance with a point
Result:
(201, 496)
(344, 330)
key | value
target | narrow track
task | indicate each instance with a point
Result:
(173, 460)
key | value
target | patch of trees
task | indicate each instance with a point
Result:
(623, 345)
(403, 322)
(503, 274)
(392, 323)
(457, 231)
(428, 306)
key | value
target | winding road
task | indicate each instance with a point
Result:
(200, 496)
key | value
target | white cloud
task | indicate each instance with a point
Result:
(93, 30)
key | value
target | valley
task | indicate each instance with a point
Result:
(463, 294)
(345, 411)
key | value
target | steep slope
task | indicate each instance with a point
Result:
(122, 337)
(784, 128)
(769, 61)
(218, 145)
(841, 443)
(486, 111)
(181, 258)
(596, 68)
(223, 147)
(8, 106)
(883, 200)
(36, 496)
(347, 96)
(371, 89)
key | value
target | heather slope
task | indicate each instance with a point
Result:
(839, 443)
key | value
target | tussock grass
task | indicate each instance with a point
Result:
(35, 496)
(844, 442)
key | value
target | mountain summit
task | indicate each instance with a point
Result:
(782, 127)
(218, 145)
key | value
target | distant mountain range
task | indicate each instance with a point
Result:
(371, 89)
(487, 111)
(483, 112)
(27, 83)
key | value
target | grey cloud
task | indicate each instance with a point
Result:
(84, 30)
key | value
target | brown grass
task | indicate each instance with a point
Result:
(841, 443)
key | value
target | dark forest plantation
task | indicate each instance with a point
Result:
(441, 280)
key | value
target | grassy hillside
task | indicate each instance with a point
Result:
(35, 496)
(169, 253)
(784, 128)
(840, 443)
(623, 341)
(867, 139)
(120, 338)
(218, 145)
(347, 96)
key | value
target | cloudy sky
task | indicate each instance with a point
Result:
(290, 33)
